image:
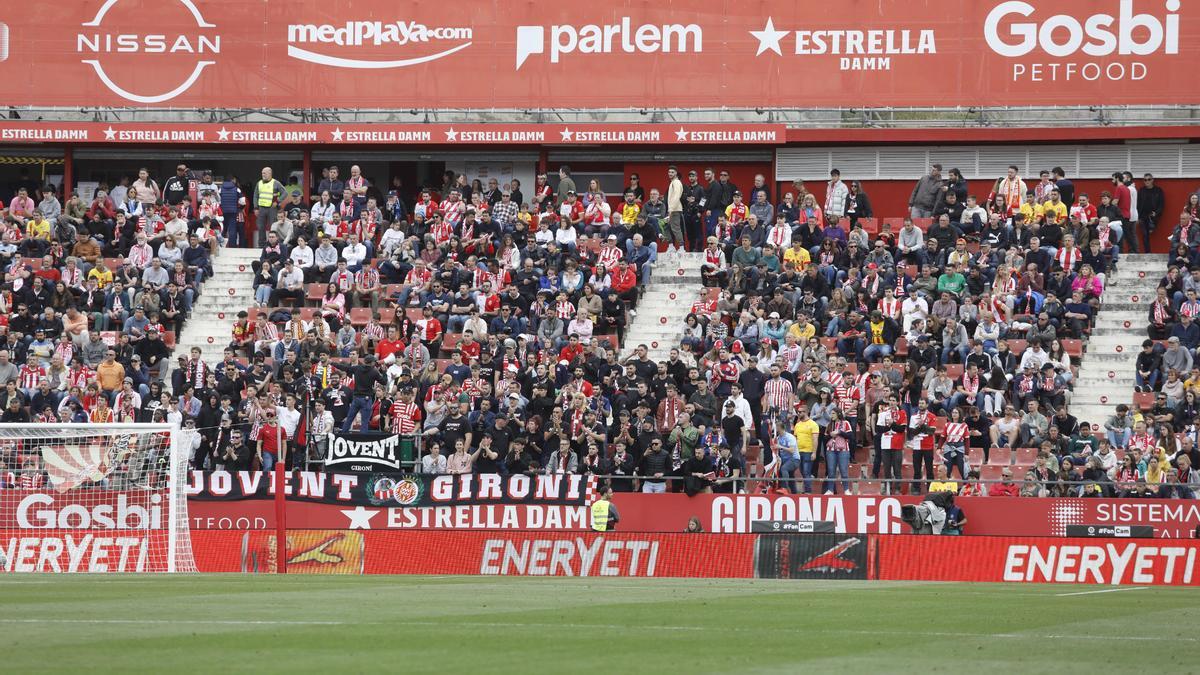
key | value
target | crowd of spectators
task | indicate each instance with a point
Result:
(94, 293)
(829, 350)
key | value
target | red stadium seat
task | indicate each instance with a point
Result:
(1000, 456)
(1143, 400)
(863, 486)
(414, 314)
(923, 224)
(168, 338)
(308, 313)
(753, 453)
(902, 347)
(990, 472)
(954, 371)
(1025, 455)
(387, 316)
(314, 293)
(896, 223)
(830, 344)
(1073, 348)
(975, 456)
(360, 316)
(869, 225)
(450, 342)
(1017, 347)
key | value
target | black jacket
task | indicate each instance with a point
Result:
(1150, 204)
(365, 376)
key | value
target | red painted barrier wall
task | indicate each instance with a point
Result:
(889, 198)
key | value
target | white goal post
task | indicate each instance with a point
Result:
(93, 498)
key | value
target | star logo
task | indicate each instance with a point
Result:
(360, 517)
(223, 134)
(681, 134)
(566, 133)
(109, 134)
(337, 134)
(768, 38)
(451, 134)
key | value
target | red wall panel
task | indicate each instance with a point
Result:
(889, 198)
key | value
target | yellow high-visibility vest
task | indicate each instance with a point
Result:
(600, 515)
(266, 193)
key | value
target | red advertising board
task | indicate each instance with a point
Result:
(717, 513)
(992, 559)
(799, 556)
(488, 553)
(572, 53)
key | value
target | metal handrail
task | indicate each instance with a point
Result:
(832, 117)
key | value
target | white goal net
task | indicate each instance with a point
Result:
(93, 498)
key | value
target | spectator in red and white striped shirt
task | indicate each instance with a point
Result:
(777, 392)
(955, 450)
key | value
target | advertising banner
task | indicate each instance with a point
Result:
(117, 133)
(635, 53)
(487, 553)
(394, 489)
(363, 452)
(219, 501)
(764, 556)
(992, 559)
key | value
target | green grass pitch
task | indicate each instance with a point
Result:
(300, 624)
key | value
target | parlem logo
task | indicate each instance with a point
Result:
(115, 43)
(606, 39)
(372, 38)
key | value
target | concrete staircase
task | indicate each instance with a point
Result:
(664, 306)
(228, 291)
(1106, 374)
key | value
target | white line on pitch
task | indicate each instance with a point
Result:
(1107, 590)
(244, 622)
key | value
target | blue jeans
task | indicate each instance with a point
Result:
(1151, 381)
(268, 461)
(262, 294)
(806, 470)
(962, 353)
(1118, 439)
(837, 462)
(787, 468)
(360, 406)
(876, 352)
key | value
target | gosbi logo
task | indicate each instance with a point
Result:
(605, 39)
(1097, 47)
(375, 44)
(127, 36)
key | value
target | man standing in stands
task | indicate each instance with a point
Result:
(925, 193)
(268, 194)
(566, 184)
(1151, 202)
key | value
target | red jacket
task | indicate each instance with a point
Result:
(622, 281)
(1003, 490)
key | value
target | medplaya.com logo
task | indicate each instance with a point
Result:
(148, 51)
(375, 44)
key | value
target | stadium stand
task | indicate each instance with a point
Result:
(828, 348)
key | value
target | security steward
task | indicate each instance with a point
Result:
(604, 512)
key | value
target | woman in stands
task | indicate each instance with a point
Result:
(333, 306)
(839, 438)
(858, 205)
(1182, 257)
